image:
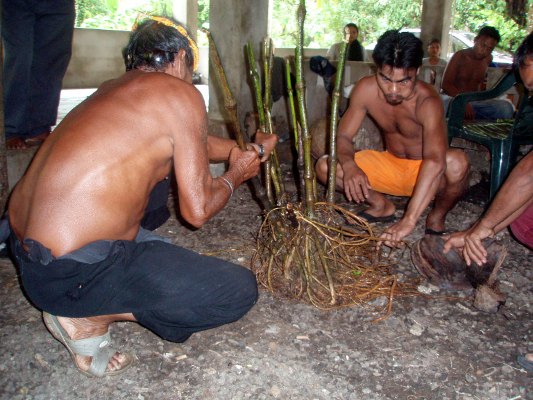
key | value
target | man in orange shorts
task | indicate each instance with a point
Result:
(417, 162)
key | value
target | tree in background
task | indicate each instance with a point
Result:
(473, 15)
(203, 22)
(326, 18)
(203, 14)
(121, 14)
(329, 17)
(117, 14)
(375, 17)
(86, 9)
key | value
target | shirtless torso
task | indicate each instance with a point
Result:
(412, 124)
(466, 72)
(91, 179)
(411, 118)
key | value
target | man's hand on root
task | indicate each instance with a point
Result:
(394, 234)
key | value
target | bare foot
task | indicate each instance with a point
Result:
(380, 206)
(37, 140)
(15, 143)
(435, 222)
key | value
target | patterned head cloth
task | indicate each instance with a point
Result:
(182, 31)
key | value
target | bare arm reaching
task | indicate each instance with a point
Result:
(430, 113)
(200, 195)
(515, 195)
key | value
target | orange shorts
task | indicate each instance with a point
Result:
(388, 173)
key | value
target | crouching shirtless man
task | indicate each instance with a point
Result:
(417, 162)
(75, 214)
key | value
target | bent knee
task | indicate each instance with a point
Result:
(238, 301)
(241, 292)
(457, 164)
(248, 289)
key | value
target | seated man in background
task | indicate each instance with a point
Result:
(513, 204)
(434, 59)
(467, 71)
(434, 54)
(354, 50)
(75, 215)
(417, 162)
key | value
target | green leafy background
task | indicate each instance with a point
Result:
(325, 18)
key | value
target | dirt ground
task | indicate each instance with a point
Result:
(429, 347)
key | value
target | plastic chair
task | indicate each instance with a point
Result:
(501, 138)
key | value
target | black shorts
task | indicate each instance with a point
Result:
(170, 290)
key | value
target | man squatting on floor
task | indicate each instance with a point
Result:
(417, 161)
(75, 214)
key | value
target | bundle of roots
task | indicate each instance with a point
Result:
(329, 260)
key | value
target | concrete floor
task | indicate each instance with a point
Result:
(430, 347)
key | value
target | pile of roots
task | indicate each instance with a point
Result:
(329, 260)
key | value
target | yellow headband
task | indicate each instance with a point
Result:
(182, 31)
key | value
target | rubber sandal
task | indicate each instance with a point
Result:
(525, 363)
(430, 231)
(371, 219)
(97, 347)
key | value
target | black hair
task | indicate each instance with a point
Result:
(351, 25)
(491, 32)
(153, 45)
(524, 51)
(434, 40)
(398, 50)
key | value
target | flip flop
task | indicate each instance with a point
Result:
(371, 219)
(97, 347)
(525, 363)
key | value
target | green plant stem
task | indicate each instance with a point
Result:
(273, 166)
(332, 160)
(229, 101)
(256, 83)
(309, 197)
(290, 93)
(231, 106)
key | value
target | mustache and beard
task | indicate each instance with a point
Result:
(394, 99)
